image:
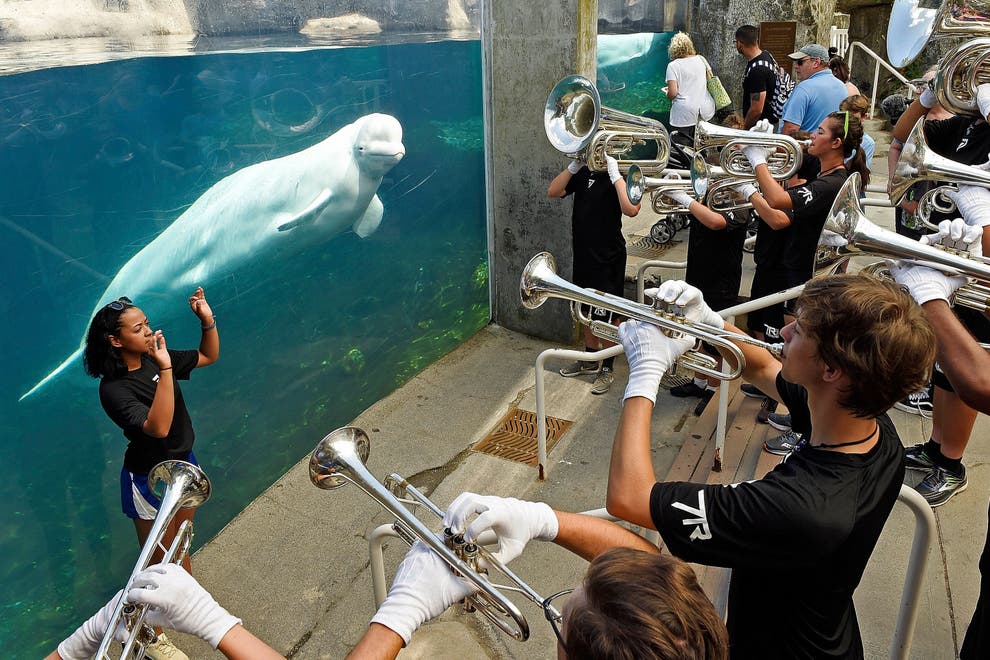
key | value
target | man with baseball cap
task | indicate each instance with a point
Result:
(817, 94)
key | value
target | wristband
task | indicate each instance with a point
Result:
(165, 369)
(210, 326)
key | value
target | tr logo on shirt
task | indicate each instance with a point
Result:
(807, 194)
(702, 531)
(591, 182)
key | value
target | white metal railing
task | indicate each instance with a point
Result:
(878, 62)
(838, 39)
(907, 614)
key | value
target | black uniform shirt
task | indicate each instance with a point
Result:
(797, 540)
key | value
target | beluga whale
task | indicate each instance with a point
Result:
(270, 210)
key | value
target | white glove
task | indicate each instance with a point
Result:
(756, 155)
(650, 354)
(681, 197)
(829, 238)
(515, 522)
(746, 190)
(178, 602)
(973, 203)
(927, 98)
(85, 641)
(762, 126)
(673, 176)
(956, 234)
(574, 166)
(613, 169)
(983, 99)
(924, 283)
(423, 588)
(984, 166)
(682, 294)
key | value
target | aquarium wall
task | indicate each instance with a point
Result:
(631, 72)
(148, 166)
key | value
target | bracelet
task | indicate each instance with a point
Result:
(165, 369)
(210, 326)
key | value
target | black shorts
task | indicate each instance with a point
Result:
(608, 276)
(976, 323)
(770, 320)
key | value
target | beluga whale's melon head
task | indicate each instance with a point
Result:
(378, 144)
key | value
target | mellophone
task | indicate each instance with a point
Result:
(340, 458)
(186, 487)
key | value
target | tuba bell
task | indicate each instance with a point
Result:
(579, 126)
(916, 23)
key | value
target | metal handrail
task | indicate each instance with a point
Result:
(876, 71)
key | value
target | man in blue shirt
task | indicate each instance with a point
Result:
(818, 93)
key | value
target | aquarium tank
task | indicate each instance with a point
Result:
(215, 146)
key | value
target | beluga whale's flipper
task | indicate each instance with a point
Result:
(272, 209)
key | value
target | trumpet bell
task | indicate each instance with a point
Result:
(572, 114)
(196, 489)
(331, 461)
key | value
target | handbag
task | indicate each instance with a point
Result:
(715, 88)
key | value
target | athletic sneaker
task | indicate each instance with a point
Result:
(916, 458)
(752, 391)
(768, 406)
(688, 389)
(783, 443)
(919, 403)
(940, 485)
(706, 396)
(579, 368)
(603, 382)
(164, 649)
(779, 422)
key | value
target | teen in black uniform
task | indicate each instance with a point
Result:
(966, 140)
(600, 200)
(714, 265)
(140, 393)
(799, 539)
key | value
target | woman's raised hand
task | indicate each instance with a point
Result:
(159, 352)
(199, 306)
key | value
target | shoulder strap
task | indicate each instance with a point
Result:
(708, 68)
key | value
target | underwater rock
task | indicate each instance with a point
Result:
(266, 212)
(353, 23)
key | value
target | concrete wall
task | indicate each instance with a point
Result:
(713, 28)
(528, 47)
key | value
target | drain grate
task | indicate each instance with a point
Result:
(647, 248)
(514, 437)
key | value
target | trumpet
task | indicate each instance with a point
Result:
(578, 125)
(340, 458)
(186, 487)
(540, 281)
(783, 162)
(846, 218)
(919, 163)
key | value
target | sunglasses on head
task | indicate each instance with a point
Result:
(120, 304)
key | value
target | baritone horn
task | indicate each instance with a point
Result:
(846, 218)
(186, 487)
(339, 459)
(919, 163)
(540, 281)
(579, 126)
(915, 23)
(783, 162)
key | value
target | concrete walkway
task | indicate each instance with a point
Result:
(294, 564)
